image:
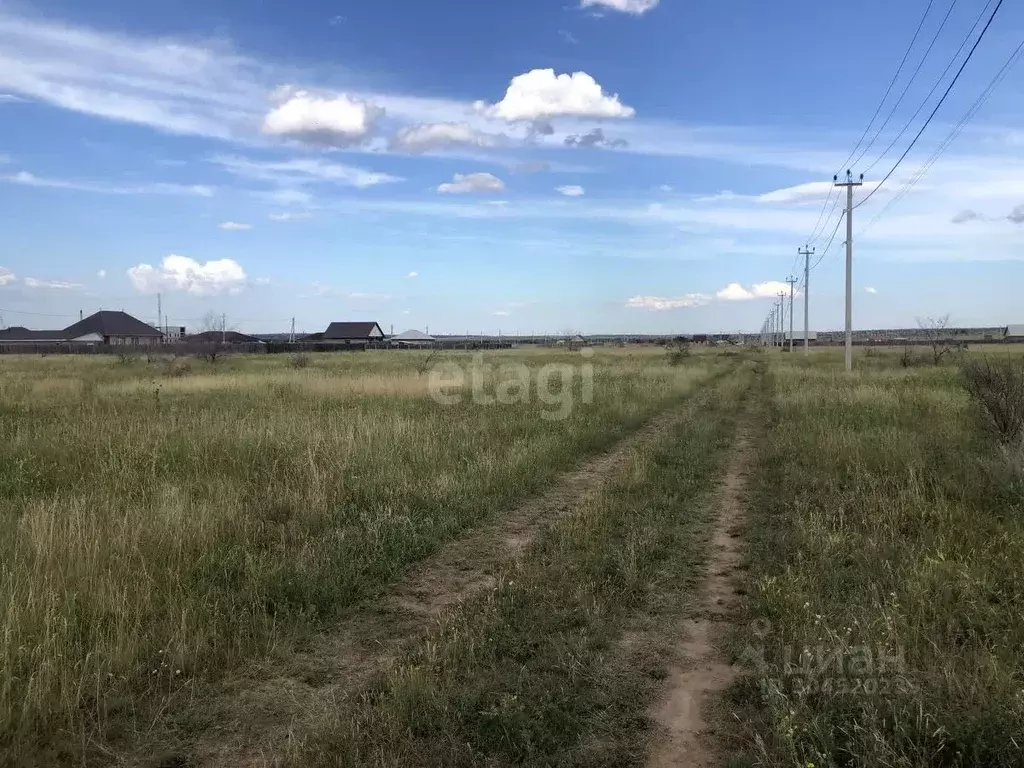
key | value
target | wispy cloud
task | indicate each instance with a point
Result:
(58, 285)
(234, 226)
(31, 180)
(662, 303)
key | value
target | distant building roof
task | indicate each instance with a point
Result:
(111, 323)
(1015, 330)
(412, 335)
(20, 333)
(360, 331)
(227, 337)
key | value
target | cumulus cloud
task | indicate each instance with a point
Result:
(286, 216)
(59, 285)
(965, 216)
(6, 276)
(472, 182)
(571, 190)
(661, 303)
(234, 225)
(635, 7)
(541, 95)
(101, 274)
(766, 290)
(181, 273)
(341, 121)
(413, 275)
(1017, 215)
(427, 137)
(595, 138)
(871, 290)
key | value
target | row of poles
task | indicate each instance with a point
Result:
(773, 332)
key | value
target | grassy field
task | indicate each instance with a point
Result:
(163, 523)
(887, 537)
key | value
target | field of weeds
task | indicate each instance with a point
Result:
(887, 536)
(164, 522)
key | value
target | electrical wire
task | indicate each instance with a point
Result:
(956, 77)
(1000, 75)
(906, 88)
(814, 232)
(938, 82)
(830, 240)
(892, 82)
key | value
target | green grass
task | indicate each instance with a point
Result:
(537, 672)
(887, 597)
(157, 530)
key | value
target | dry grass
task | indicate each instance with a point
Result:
(159, 530)
(888, 613)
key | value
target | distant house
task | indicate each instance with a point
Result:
(21, 335)
(349, 334)
(798, 337)
(412, 338)
(113, 328)
(171, 333)
(104, 327)
(223, 337)
(1014, 333)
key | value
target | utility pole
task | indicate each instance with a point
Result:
(782, 319)
(807, 252)
(160, 316)
(849, 184)
(792, 282)
(223, 328)
(291, 336)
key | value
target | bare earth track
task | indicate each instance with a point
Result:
(701, 671)
(254, 719)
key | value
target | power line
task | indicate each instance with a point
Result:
(835, 204)
(938, 82)
(956, 77)
(830, 240)
(888, 90)
(951, 136)
(910, 82)
(821, 213)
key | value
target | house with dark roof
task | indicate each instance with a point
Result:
(21, 335)
(412, 338)
(348, 334)
(114, 328)
(222, 337)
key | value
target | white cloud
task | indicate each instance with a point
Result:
(571, 190)
(32, 282)
(636, 7)
(413, 275)
(766, 290)
(9, 98)
(541, 95)
(341, 121)
(435, 136)
(286, 197)
(594, 138)
(472, 182)
(871, 290)
(234, 225)
(181, 273)
(101, 274)
(302, 170)
(661, 303)
(665, 187)
(6, 276)
(568, 36)
(502, 313)
(31, 180)
(286, 216)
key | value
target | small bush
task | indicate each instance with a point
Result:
(126, 358)
(998, 388)
(679, 355)
(175, 369)
(299, 360)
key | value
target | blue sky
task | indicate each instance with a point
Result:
(528, 165)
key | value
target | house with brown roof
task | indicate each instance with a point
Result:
(104, 327)
(349, 334)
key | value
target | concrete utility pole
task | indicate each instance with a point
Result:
(223, 328)
(782, 319)
(849, 184)
(792, 282)
(291, 336)
(159, 316)
(806, 253)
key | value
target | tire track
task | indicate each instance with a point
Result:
(702, 671)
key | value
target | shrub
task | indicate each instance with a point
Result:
(998, 388)
(175, 369)
(679, 355)
(299, 360)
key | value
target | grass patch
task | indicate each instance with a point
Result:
(887, 609)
